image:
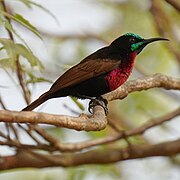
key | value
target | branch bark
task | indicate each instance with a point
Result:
(31, 159)
(174, 3)
(98, 121)
(145, 83)
(74, 147)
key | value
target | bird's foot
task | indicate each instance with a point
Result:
(98, 102)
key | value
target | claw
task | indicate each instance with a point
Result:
(100, 102)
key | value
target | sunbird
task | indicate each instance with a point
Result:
(101, 72)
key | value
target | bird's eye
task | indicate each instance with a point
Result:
(132, 40)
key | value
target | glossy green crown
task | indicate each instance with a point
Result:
(135, 46)
(134, 35)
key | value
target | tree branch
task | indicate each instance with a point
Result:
(94, 123)
(85, 36)
(174, 3)
(145, 83)
(164, 25)
(31, 159)
(98, 121)
(72, 147)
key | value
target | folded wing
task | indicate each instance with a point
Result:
(84, 71)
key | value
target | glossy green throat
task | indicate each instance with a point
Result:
(135, 46)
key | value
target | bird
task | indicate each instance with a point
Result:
(99, 73)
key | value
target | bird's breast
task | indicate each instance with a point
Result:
(120, 75)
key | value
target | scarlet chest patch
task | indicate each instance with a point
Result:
(120, 75)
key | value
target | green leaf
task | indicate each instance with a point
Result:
(28, 3)
(78, 103)
(35, 79)
(1, 48)
(47, 11)
(20, 19)
(9, 46)
(23, 51)
(7, 63)
(14, 50)
(38, 79)
(10, 28)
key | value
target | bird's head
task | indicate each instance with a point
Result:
(131, 42)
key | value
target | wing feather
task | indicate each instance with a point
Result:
(84, 71)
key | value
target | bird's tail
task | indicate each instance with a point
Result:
(44, 97)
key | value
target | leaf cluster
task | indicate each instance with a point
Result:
(10, 50)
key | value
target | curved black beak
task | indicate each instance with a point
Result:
(147, 41)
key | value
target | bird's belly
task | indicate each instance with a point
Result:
(93, 87)
(117, 77)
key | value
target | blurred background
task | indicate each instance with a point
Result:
(78, 29)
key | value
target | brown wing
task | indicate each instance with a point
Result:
(83, 71)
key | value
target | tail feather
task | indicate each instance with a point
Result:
(44, 97)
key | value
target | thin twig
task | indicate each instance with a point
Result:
(174, 3)
(2, 103)
(162, 22)
(57, 146)
(98, 121)
(85, 36)
(99, 156)
(157, 80)
(19, 71)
